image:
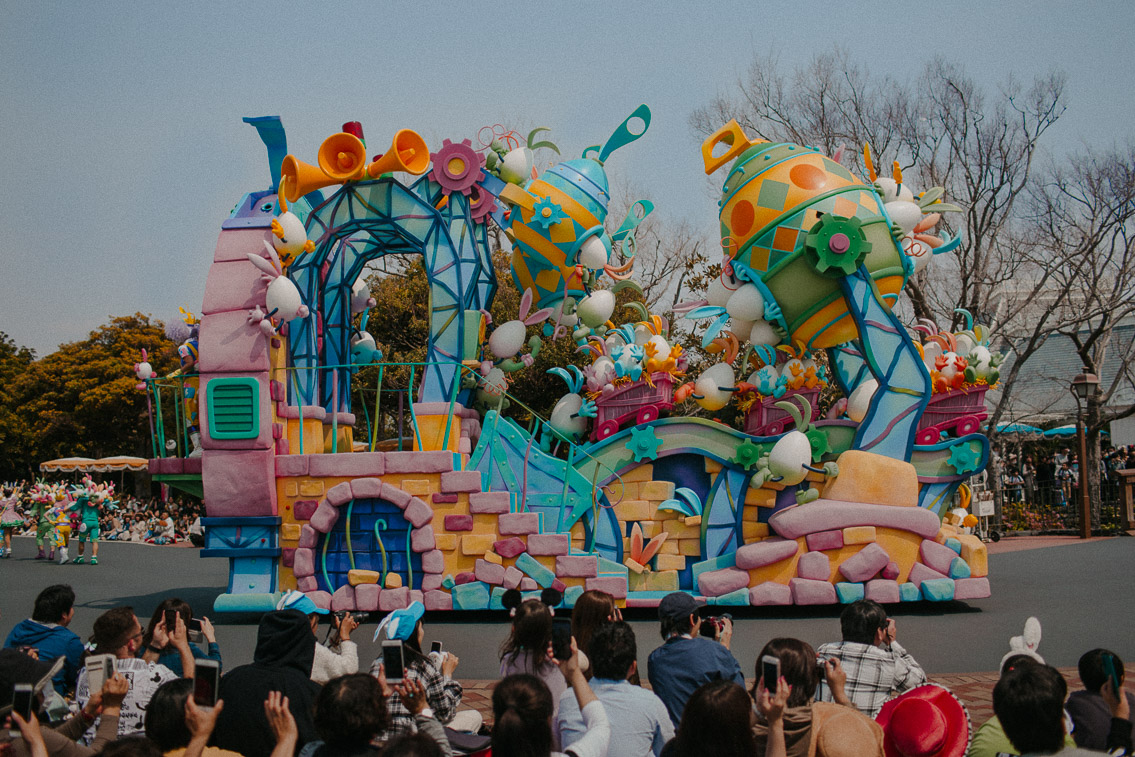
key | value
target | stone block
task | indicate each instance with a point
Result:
(458, 523)
(471, 596)
(290, 531)
(571, 594)
(559, 586)
(489, 573)
(343, 599)
(340, 494)
(752, 531)
(527, 584)
(358, 576)
(291, 465)
(882, 591)
(438, 600)
(445, 542)
(890, 571)
(431, 581)
(814, 565)
(510, 547)
(825, 540)
(577, 566)
(908, 592)
(512, 577)
(367, 488)
(393, 581)
(397, 497)
(739, 598)
(307, 584)
(325, 517)
(433, 562)
(971, 588)
(308, 537)
(393, 599)
(461, 481)
(808, 592)
(766, 552)
(847, 593)
(303, 509)
(634, 509)
(493, 557)
(233, 285)
(230, 344)
(920, 573)
(543, 576)
(827, 515)
(958, 569)
(489, 503)
(418, 513)
(350, 465)
(422, 539)
(311, 488)
(463, 578)
(937, 556)
(865, 564)
(669, 562)
(858, 535)
(868, 477)
(321, 598)
(975, 554)
(304, 563)
(366, 597)
(288, 557)
(954, 544)
(937, 589)
(241, 482)
(476, 544)
(548, 544)
(417, 487)
(656, 490)
(519, 523)
(419, 462)
(717, 582)
(616, 586)
(443, 499)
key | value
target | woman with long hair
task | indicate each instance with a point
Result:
(523, 712)
(526, 648)
(718, 720)
(591, 610)
(169, 656)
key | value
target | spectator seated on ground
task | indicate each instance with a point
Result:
(19, 668)
(285, 650)
(526, 648)
(118, 632)
(1089, 710)
(641, 725)
(717, 720)
(433, 671)
(177, 725)
(47, 633)
(523, 713)
(169, 655)
(811, 728)
(351, 713)
(990, 740)
(686, 661)
(592, 609)
(875, 664)
(329, 662)
(1029, 703)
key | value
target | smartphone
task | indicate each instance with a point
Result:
(206, 682)
(195, 630)
(561, 639)
(100, 668)
(435, 646)
(392, 662)
(171, 621)
(1112, 671)
(770, 672)
(23, 695)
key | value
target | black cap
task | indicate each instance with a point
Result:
(676, 606)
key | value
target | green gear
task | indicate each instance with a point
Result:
(837, 246)
(748, 454)
(819, 442)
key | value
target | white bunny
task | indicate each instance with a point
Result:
(282, 300)
(1026, 643)
(143, 370)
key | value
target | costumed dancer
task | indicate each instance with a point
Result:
(9, 519)
(89, 501)
(61, 522)
(41, 504)
(188, 353)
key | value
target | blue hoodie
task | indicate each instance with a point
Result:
(52, 642)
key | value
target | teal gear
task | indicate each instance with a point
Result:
(547, 213)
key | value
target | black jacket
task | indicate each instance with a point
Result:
(285, 650)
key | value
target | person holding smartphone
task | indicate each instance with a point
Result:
(168, 655)
(330, 662)
(1102, 672)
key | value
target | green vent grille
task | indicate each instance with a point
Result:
(234, 411)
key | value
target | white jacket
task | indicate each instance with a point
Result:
(329, 664)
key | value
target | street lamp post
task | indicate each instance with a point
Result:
(1083, 388)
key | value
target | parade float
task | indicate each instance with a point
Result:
(617, 490)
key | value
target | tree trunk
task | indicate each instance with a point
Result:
(1090, 468)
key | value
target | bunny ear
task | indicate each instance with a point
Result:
(1032, 633)
(143, 354)
(538, 317)
(526, 304)
(262, 264)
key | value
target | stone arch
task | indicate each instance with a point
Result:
(368, 597)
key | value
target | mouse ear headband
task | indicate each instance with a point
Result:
(512, 599)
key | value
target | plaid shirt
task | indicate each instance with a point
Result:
(443, 695)
(873, 673)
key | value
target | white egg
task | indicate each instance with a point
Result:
(507, 339)
(295, 235)
(661, 347)
(930, 353)
(642, 335)
(905, 214)
(596, 308)
(892, 192)
(746, 303)
(360, 296)
(741, 328)
(789, 456)
(564, 313)
(763, 333)
(966, 344)
(495, 384)
(562, 420)
(284, 298)
(718, 292)
(516, 167)
(715, 385)
(604, 368)
(860, 400)
(593, 253)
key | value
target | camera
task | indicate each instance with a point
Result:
(713, 625)
(360, 617)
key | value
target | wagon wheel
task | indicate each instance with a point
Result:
(927, 436)
(647, 414)
(606, 428)
(968, 425)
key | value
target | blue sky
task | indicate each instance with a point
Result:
(123, 148)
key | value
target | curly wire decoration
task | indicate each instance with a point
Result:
(510, 137)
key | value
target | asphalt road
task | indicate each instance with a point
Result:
(1083, 594)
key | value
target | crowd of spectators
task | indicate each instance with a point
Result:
(134, 519)
(861, 695)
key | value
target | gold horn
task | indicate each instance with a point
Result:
(408, 152)
(298, 178)
(342, 156)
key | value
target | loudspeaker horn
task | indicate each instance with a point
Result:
(342, 156)
(408, 152)
(298, 178)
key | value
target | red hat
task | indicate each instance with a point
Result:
(927, 721)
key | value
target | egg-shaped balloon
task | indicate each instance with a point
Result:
(507, 339)
(720, 290)
(642, 335)
(860, 400)
(891, 190)
(360, 296)
(905, 214)
(516, 167)
(284, 298)
(596, 308)
(661, 346)
(789, 456)
(763, 333)
(715, 386)
(562, 419)
(741, 328)
(746, 303)
(564, 313)
(930, 353)
(295, 236)
(593, 253)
